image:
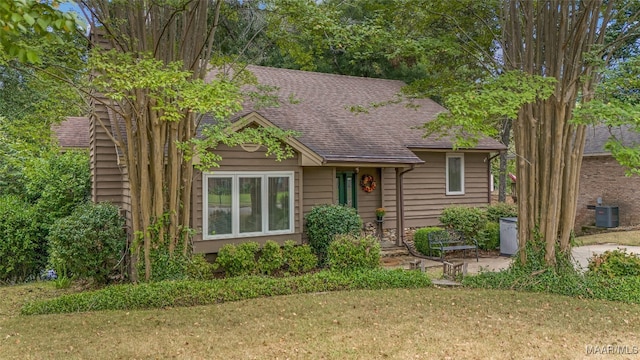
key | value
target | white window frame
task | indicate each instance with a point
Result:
(454, 155)
(235, 202)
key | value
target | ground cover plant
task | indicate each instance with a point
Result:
(189, 293)
(426, 323)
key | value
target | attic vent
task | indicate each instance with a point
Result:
(250, 147)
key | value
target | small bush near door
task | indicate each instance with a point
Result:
(348, 252)
(324, 222)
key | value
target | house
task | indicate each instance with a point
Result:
(602, 177)
(366, 160)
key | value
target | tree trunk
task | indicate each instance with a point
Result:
(505, 138)
(551, 38)
(159, 177)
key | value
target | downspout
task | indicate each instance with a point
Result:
(489, 174)
(400, 204)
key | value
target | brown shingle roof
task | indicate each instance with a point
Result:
(73, 132)
(597, 136)
(328, 127)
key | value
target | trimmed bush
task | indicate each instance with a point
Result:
(238, 260)
(190, 293)
(489, 237)
(421, 238)
(271, 258)
(347, 252)
(615, 263)
(324, 222)
(198, 268)
(88, 243)
(500, 210)
(467, 220)
(23, 249)
(298, 259)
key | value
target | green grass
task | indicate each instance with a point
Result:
(425, 323)
(630, 238)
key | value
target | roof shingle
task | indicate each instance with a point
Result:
(73, 132)
(327, 126)
(597, 136)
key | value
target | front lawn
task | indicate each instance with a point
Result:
(630, 238)
(424, 323)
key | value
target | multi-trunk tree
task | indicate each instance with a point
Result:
(570, 42)
(151, 79)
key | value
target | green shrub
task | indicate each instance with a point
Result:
(190, 293)
(271, 258)
(489, 237)
(198, 268)
(501, 210)
(23, 250)
(89, 243)
(347, 252)
(324, 222)
(238, 260)
(298, 259)
(615, 263)
(421, 238)
(57, 184)
(467, 220)
(165, 266)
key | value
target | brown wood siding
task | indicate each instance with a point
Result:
(106, 175)
(237, 159)
(425, 189)
(319, 183)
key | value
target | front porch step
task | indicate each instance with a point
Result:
(394, 251)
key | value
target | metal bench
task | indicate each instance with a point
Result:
(450, 240)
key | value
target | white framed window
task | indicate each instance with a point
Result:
(243, 204)
(455, 174)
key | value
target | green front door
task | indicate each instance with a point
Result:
(346, 184)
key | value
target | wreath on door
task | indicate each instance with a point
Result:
(367, 183)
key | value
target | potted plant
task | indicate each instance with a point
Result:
(380, 212)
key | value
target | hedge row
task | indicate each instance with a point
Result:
(190, 293)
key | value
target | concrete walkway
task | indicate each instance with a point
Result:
(581, 255)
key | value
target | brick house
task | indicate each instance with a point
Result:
(602, 177)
